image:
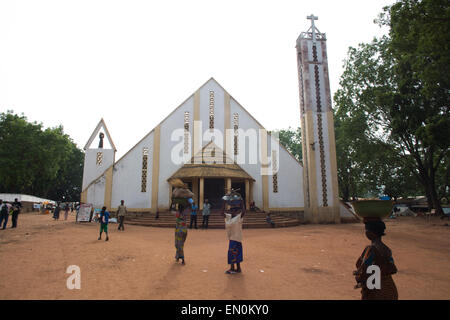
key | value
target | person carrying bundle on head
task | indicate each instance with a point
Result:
(182, 200)
(234, 217)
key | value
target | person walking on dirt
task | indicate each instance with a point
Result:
(121, 212)
(104, 220)
(15, 214)
(4, 214)
(181, 206)
(378, 254)
(56, 212)
(66, 211)
(234, 218)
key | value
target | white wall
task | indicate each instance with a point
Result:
(290, 181)
(91, 170)
(290, 175)
(167, 165)
(96, 193)
(247, 122)
(219, 102)
(127, 177)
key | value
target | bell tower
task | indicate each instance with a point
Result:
(318, 140)
(98, 160)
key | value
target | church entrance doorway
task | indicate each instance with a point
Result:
(214, 191)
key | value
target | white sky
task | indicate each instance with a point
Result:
(133, 62)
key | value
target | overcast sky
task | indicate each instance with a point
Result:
(132, 62)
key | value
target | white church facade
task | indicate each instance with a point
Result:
(141, 177)
(212, 143)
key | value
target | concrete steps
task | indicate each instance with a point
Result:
(252, 220)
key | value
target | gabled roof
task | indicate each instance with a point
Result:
(212, 78)
(102, 123)
(94, 134)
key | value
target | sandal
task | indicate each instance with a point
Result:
(230, 272)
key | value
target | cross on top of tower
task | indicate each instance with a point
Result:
(313, 27)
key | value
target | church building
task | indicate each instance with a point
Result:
(213, 143)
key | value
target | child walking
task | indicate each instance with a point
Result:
(104, 220)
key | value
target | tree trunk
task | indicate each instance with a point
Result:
(435, 200)
(432, 197)
(345, 193)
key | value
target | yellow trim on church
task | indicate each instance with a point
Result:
(333, 167)
(312, 215)
(155, 169)
(265, 169)
(227, 124)
(108, 187)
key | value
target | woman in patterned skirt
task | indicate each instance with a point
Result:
(181, 229)
(380, 255)
(181, 205)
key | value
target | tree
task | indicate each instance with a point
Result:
(291, 139)
(400, 83)
(38, 161)
(68, 183)
(354, 154)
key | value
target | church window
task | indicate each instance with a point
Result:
(211, 109)
(275, 183)
(99, 158)
(144, 170)
(186, 132)
(236, 127)
(274, 172)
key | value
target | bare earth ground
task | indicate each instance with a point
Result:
(304, 262)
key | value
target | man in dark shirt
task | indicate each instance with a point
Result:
(15, 214)
(4, 214)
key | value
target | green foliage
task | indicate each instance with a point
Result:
(38, 161)
(397, 89)
(291, 139)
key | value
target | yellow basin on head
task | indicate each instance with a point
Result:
(373, 208)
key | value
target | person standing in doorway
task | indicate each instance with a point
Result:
(104, 220)
(194, 208)
(121, 211)
(4, 214)
(17, 206)
(205, 213)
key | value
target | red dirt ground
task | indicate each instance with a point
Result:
(304, 262)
